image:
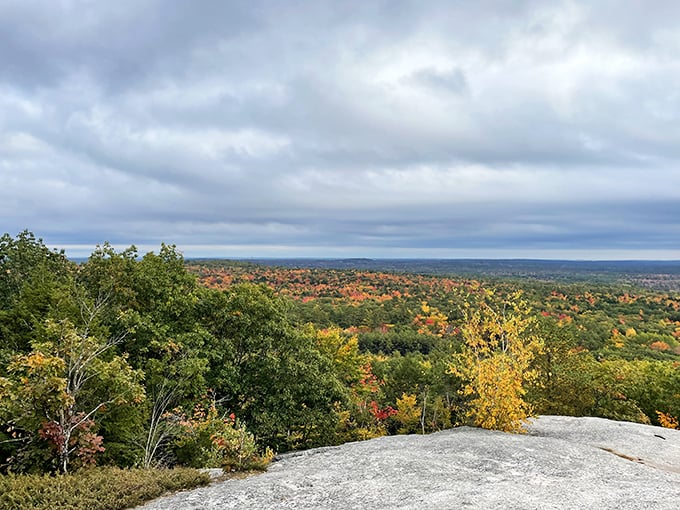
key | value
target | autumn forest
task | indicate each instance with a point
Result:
(149, 360)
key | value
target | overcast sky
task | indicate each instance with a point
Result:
(496, 129)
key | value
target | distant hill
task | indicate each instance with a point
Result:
(658, 275)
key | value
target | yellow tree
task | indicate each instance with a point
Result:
(495, 360)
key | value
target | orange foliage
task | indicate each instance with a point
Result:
(668, 421)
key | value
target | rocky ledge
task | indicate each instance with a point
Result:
(561, 463)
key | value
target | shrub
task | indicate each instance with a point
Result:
(408, 414)
(210, 440)
(94, 489)
(668, 421)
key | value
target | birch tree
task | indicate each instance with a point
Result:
(55, 392)
(495, 361)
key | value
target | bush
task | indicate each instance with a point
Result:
(208, 440)
(94, 489)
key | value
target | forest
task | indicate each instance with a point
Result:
(148, 360)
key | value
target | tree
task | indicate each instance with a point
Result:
(55, 392)
(33, 280)
(272, 375)
(565, 373)
(172, 379)
(152, 301)
(19, 257)
(495, 360)
(343, 351)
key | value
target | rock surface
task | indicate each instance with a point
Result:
(562, 463)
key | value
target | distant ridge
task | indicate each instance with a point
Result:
(655, 274)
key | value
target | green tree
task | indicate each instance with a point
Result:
(153, 303)
(565, 373)
(612, 383)
(272, 375)
(172, 380)
(34, 281)
(19, 257)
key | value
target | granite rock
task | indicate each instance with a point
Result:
(561, 463)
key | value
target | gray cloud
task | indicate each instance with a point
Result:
(378, 128)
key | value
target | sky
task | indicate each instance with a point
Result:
(397, 129)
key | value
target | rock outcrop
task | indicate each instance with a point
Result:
(561, 463)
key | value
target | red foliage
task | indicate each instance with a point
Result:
(381, 414)
(85, 443)
(53, 433)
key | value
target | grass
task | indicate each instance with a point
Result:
(102, 488)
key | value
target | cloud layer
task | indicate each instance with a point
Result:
(395, 129)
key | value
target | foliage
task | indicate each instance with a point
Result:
(363, 418)
(495, 362)
(151, 305)
(210, 440)
(408, 414)
(646, 385)
(95, 489)
(55, 392)
(303, 357)
(428, 378)
(19, 258)
(578, 322)
(173, 377)
(343, 352)
(34, 286)
(668, 421)
(566, 372)
(613, 385)
(272, 373)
